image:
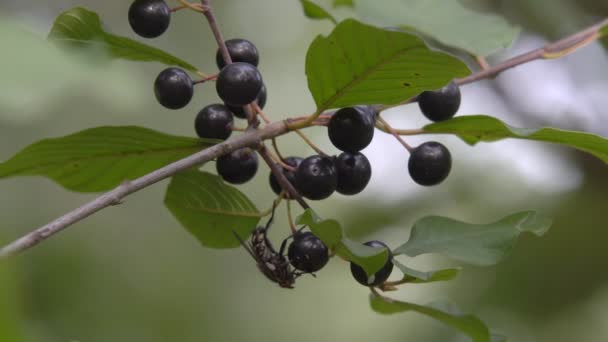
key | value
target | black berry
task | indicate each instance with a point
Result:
(430, 163)
(351, 129)
(149, 18)
(379, 277)
(354, 172)
(239, 84)
(240, 50)
(261, 99)
(442, 104)
(307, 252)
(238, 166)
(173, 88)
(290, 175)
(214, 122)
(316, 177)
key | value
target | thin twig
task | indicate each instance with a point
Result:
(395, 134)
(278, 174)
(310, 143)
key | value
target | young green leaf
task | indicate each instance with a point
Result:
(79, 27)
(475, 128)
(449, 22)
(448, 314)
(371, 259)
(210, 209)
(478, 244)
(345, 3)
(418, 277)
(99, 159)
(361, 64)
(314, 11)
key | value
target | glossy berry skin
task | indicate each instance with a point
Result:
(240, 50)
(261, 99)
(239, 84)
(290, 175)
(149, 18)
(239, 166)
(307, 252)
(442, 104)
(316, 177)
(173, 88)
(379, 277)
(430, 163)
(351, 129)
(214, 122)
(354, 172)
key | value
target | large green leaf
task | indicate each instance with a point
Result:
(98, 159)
(449, 22)
(473, 129)
(419, 277)
(314, 11)
(371, 259)
(210, 209)
(448, 314)
(478, 244)
(362, 64)
(80, 27)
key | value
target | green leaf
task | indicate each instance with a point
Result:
(314, 11)
(79, 27)
(99, 159)
(473, 129)
(210, 209)
(329, 231)
(449, 22)
(478, 244)
(448, 314)
(345, 3)
(361, 64)
(371, 259)
(418, 277)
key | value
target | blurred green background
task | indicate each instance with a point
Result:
(130, 273)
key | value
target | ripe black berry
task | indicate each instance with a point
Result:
(442, 104)
(430, 163)
(316, 177)
(290, 175)
(261, 99)
(379, 277)
(354, 172)
(307, 252)
(173, 88)
(240, 50)
(149, 18)
(239, 84)
(238, 166)
(214, 122)
(351, 129)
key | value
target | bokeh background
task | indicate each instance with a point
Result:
(131, 273)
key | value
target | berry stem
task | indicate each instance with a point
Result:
(483, 62)
(285, 184)
(292, 226)
(395, 134)
(310, 143)
(185, 4)
(205, 79)
(260, 112)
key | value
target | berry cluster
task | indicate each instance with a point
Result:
(350, 129)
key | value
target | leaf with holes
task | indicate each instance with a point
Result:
(477, 244)
(419, 277)
(446, 313)
(476, 128)
(81, 28)
(314, 11)
(210, 209)
(361, 64)
(99, 159)
(449, 22)
(371, 259)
